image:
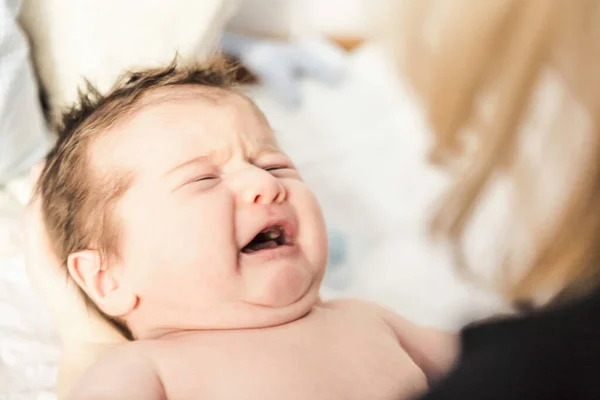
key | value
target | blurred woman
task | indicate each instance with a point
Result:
(511, 91)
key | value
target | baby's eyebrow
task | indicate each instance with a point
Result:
(184, 164)
(265, 150)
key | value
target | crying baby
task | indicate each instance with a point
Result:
(175, 211)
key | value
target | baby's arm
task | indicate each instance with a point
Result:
(434, 351)
(126, 373)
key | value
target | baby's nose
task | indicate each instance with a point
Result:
(257, 186)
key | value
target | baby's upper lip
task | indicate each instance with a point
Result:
(286, 224)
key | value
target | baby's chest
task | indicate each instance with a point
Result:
(321, 364)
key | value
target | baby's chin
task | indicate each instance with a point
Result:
(263, 316)
(279, 298)
(279, 287)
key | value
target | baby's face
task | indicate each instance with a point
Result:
(218, 230)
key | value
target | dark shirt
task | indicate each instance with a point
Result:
(544, 355)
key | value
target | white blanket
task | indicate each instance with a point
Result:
(23, 141)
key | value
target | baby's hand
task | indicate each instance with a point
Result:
(84, 333)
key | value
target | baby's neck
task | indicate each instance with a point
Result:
(255, 317)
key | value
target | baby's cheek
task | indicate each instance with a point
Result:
(312, 229)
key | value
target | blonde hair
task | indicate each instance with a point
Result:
(476, 54)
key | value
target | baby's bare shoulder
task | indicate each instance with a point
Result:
(359, 310)
(355, 305)
(127, 372)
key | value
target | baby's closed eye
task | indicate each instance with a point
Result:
(280, 167)
(276, 168)
(204, 178)
(203, 181)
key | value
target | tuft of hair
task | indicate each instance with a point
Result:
(76, 201)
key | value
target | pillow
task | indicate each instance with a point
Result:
(100, 40)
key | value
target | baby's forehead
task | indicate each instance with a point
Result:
(171, 124)
(173, 93)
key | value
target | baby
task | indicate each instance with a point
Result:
(177, 214)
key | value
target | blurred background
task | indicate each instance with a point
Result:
(323, 73)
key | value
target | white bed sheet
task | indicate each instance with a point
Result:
(360, 147)
(29, 348)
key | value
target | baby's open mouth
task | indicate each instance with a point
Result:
(269, 238)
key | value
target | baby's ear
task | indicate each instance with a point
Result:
(102, 284)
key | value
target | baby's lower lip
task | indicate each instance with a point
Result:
(264, 255)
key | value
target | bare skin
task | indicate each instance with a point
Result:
(343, 349)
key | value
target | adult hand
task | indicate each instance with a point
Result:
(85, 334)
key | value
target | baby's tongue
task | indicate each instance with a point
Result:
(257, 246)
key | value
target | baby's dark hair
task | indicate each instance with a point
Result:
(76, 201)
